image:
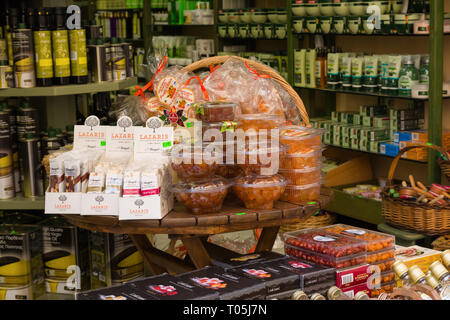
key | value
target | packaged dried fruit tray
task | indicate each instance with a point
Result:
(259, 121)
(385, 265)
(205, 196)
(325, 243)
(310, 158)
(259, 192)
(376, 256)
(326, 259)
(385, 287)
(301, 177)
(300, 139)
(384, 277)
(376, 241)
(215, 111)
(259, 160)
(301, 194)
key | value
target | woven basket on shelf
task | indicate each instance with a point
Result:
(419, 217)
(322, 220)
(445, 167)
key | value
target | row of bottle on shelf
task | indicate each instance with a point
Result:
(24, 141)
(119, 4)
(40, 51)
(180, 12)
(121, 24)
(404, 75)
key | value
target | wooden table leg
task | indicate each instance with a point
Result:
(267, 239)
(197, 252)
(158, 261)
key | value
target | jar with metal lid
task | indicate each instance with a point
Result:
(299, 295)
(317, 296)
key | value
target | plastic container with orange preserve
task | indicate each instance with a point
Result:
(192, 163)
(301, 177)
(301, 139)
(308, 159)
(259, 121)
(216, 111)
(384, 288)
(376, 241)
(259, 160)
(204, 196)
(385, 265)
(301, 194)
(259, 192)
(381, 255)
(382, 278)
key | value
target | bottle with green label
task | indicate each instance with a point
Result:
(43, 50)
(78, 56)
(60, 40)
(408, 77)
(424, 72)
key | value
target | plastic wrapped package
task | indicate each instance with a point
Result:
(301, 160)
(217, 111)
(301, 194)
(385, 288)
(301, 177)
(259, 192)
(301, 139)
(384, 265)
(134, 107)
(291, 112)
(204, 196)
(267, 100)
(259, 121)
(167, 82)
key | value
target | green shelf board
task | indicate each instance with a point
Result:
(355, 207)
(364, 93)
(22, 203)
(70, 89)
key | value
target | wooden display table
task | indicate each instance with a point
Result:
(194, 230)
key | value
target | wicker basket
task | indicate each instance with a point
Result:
(419, 217)
(205, 63)
(445, 167)
(318, 221)
(442, 243)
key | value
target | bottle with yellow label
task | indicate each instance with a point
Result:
(78, 56)
(43, 50)
(440, 272)
(445, 256)
(60, 40)
(401, 270)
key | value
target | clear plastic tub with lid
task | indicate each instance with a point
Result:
(192, 162)
(376, 241)
(301, 194)
(382, 278)
(211, 131)
(317, 240)
(384, 265)
(259, 160)
(381, 255)
(301, 139)
(259, 192)
(309, 158)
(259, 121)
(301, 177)
(216, 111)
(205, 196)
(385, 288)
(326, 259)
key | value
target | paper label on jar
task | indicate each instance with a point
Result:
(185, 98)
(324, 239)
(355, 231)
(166, 90)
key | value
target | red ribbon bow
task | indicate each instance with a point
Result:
(256, 73)
(140, 91)
(202, 87)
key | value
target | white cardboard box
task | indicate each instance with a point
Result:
(62, 202)
(100, 204)
(144, 208)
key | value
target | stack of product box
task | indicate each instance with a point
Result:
(378, 129)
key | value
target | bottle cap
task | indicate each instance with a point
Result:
(361, 295)
(399, 268)
(438, 270)
(445, 256)
(334, 293)
(415, 273)
(432, 282)
(317, 296)
(299, 295)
